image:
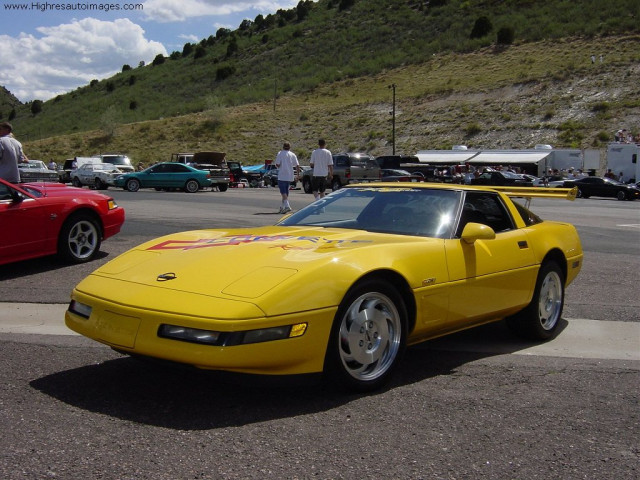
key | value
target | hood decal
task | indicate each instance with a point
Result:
(249, 238)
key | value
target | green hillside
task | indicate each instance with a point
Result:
(491, 73)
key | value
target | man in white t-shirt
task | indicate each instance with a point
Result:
(322, 163)
(288, 170)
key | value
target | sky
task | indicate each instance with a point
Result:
(52, 47)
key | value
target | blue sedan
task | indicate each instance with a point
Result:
(166, 176)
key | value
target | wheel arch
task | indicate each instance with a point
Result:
(398, 282)
(85, 211)
(556, 255)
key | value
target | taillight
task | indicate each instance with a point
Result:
(347, 172)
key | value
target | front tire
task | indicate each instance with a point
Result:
(79, 239)
(133, 185)
(368, 337)
(306, 185)
(540, 319)
(621, 195)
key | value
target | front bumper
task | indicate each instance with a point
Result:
(135, 330)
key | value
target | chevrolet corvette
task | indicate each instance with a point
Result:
(39, 219)
(340, 287)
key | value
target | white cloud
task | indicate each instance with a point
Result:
(71, 55)
(172, 11)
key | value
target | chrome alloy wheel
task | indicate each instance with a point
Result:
(370, 336)
(550, 300)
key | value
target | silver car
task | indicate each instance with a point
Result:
(97, 175)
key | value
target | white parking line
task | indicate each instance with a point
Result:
(632, 225)
(579, 338)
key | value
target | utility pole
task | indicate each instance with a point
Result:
(393, 118)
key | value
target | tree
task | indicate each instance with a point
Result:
(36, 107)
(222, 33)
(200, 52)
(481, 28)
(132, 80)
(159, 60)
(187, 49)
(133, 105)
(232, 47)
(110, 86)
(126, 67)
(93, 83)
(12, 114)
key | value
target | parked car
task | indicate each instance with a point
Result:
(501, 178)
(165, 176)
(39, 219)
(271, 178)
(98, 175)
(36, 171)
(397, 175)
(348, 168)
(603, 187)
(391, 265)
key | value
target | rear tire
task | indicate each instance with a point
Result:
(540, 319)
(335, 184)
(76, 182)
(368, 337)
(191, 186)
(223, 187)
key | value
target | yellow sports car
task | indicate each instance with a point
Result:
(339, 287)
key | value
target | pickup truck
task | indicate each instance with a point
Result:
(347, 168)
(214, 162)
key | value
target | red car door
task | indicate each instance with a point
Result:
(24, 226)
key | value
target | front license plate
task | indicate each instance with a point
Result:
(117, 329)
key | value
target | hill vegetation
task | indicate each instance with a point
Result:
(491, 74)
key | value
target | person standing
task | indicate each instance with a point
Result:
(322, 163)
(288, 169)
(10, 154)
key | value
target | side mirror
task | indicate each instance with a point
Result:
(477, 231)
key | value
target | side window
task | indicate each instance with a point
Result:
(487, 209)
(5, 192)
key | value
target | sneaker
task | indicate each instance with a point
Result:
(281, 210)
(286, 210)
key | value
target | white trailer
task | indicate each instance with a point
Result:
(622, 158)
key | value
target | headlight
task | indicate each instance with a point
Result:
(112, 204)
(80, 309)
(229, 339)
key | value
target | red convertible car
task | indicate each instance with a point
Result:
(38, 219)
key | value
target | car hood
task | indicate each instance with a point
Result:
(272, 268)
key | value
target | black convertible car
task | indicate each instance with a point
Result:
(603, 187)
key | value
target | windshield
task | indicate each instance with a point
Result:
(116, 159)
(397, 210)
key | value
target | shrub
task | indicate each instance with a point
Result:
(481, 28)
(505, 36)
(133, 105)
(159, 60)
(200, 52)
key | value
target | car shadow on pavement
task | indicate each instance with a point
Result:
(169, 396)
(40, 265)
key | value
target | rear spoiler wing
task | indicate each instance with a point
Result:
(538, 192)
